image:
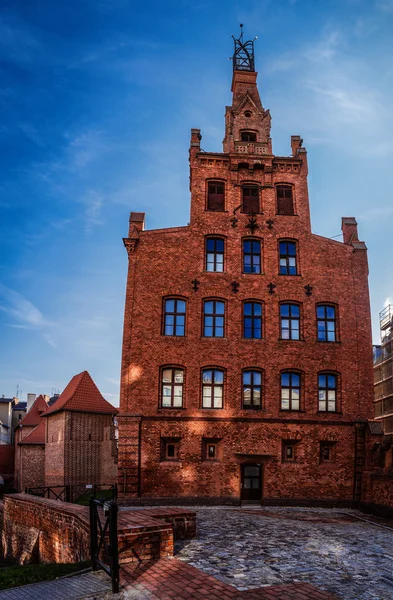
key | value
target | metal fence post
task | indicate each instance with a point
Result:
(93, 534)
(114, 549)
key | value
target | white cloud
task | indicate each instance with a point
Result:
(24, 314)
(93, 202)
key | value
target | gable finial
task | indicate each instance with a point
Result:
(243, 56)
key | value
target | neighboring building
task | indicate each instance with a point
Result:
(383, 371)
(80, 446)
(71, 442)
(30, 445)
(247, 353)
(7, 408)
(18, 413)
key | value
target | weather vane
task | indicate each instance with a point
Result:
(243, 56)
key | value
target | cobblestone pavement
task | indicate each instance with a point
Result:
(88, 585)
(330, 549)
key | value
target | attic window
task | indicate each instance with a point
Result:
(250, 199)
(216, 195)
(247, 113)
(284, 200)
(248, 136)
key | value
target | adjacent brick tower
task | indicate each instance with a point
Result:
(247, 357)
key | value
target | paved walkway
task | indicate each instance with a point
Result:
(172, 579)
(255, 554)
(330, 549)
(66, 588)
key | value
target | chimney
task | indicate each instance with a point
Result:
(30, 401)
(349, 227)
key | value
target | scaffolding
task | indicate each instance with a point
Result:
(383, 371)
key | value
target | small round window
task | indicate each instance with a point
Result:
(247, 113)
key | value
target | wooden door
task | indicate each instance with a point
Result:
(251, 486)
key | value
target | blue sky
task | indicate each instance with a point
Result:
(97, 99)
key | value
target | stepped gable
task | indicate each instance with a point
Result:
(82, 395)
(37, 436)
(33, 417)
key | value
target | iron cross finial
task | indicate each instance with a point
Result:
(195, 284)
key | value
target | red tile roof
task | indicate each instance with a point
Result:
(82, 395)
(37, 436)
(33, 417)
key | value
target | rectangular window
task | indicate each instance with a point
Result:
(288, 451)
(170, 448)
(290, 391)
(252, 389)
(284, 200)
(252, 320)
(215, 196)
(288, 258)
(290, 321)
(213, 318)
(250, 199)
(211, 451)
(327, 392)
(251, 256)
(212, 388)
(326, 323)
(248, 136)
(172, 381)
(174, 316)
(327, 452)
(215, 254)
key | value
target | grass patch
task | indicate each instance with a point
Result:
(24, 574)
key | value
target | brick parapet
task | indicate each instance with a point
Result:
(50, 531)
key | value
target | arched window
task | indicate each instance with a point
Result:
(252, 389)
(214, 254)
(251, 256)
(326, 323)
(215, 195)
(252, 319)
(212, 388)
(250, 198)
(327, 392)
(172, 381)
(290, 390)
(288, 257)
(174, 321)
(284, 200)
(289, 321)
(213, 318)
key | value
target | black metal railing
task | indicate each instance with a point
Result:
(75, 493)
(58, 492)
(104, 550)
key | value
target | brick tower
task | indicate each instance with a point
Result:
(247, 357)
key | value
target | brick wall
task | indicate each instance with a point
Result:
(56, 429)
(45, 530)
(7, 456)
(192, 476)
(49, 531)
(32, 468)
(80, 449)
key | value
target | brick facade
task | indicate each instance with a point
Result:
(80, 449)
(172, 263)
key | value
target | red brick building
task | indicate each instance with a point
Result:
(71, 442)
(247, 356)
